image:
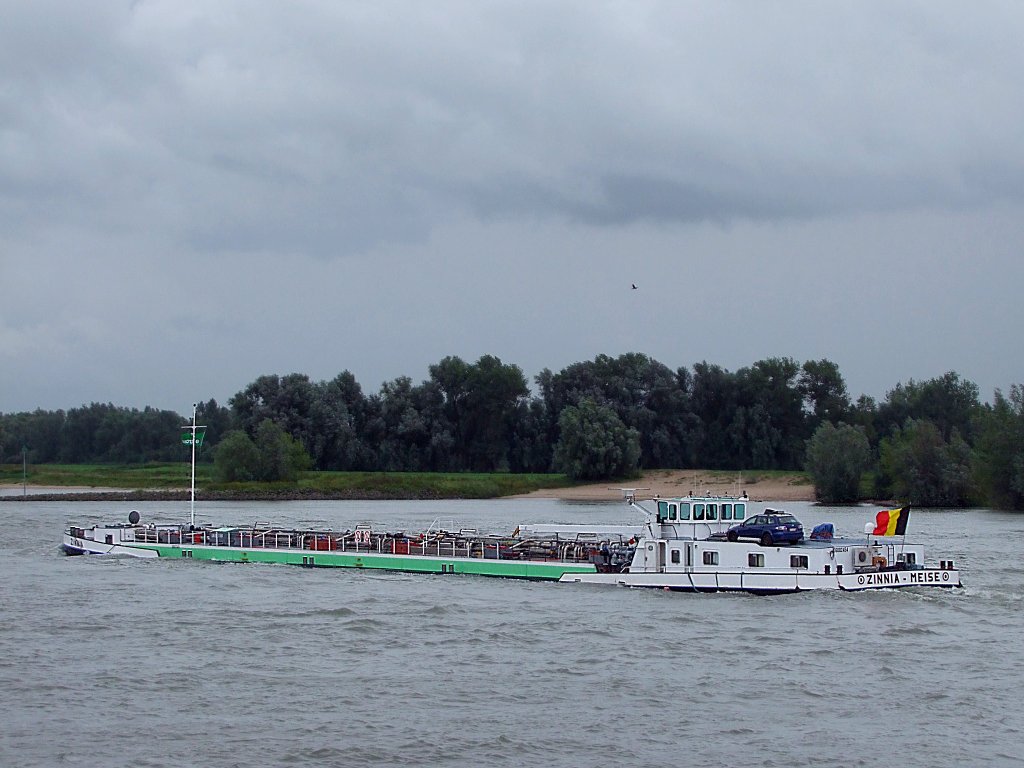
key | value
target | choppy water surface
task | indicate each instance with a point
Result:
(172, 663)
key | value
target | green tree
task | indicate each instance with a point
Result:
(328, 418)
(948, 402)
(864, 414)
(235, 459)
(714, 400)
(480, 403)
(281, 457)
(530, 450)
(408, 427)
(218, 420)
(998, 459)
(81, 427)
(133, 436)
(40, 431)
(287, 400)
(824, 391)
(645, 394)
(836, 459)
(340, 414)
(924, 469)
(774, 423)
(595, 444)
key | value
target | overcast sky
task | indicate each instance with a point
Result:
(194, 194)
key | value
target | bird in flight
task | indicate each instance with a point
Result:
(634, 286)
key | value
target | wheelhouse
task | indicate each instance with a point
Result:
(702, 509)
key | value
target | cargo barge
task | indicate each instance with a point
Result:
(684, 544)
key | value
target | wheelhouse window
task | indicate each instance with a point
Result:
(755, 560)
(739, 511)
(727, 511)
(712, 512)
(698, 511)
(798, 561)
(672, 511)
(710, 558)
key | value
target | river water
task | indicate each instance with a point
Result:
(126, 662)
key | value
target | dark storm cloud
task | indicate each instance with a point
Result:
(330, 128)
(151, 147)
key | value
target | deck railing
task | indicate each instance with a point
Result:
(438, 544)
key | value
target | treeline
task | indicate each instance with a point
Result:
(930, 442)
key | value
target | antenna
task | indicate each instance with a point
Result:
(192, 504)
(629, 494)
(193, 427)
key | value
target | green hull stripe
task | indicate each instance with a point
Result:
(520, 569)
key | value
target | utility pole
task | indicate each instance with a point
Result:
(24, 470)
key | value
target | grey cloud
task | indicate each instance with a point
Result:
(251, 148)
(334, 128)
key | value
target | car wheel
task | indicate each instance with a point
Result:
(766, 539)
(731, 535)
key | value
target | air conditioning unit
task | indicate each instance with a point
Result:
(862, 556)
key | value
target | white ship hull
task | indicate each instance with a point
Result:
(770, 583)
(76, 545)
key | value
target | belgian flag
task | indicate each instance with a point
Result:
(891, 522)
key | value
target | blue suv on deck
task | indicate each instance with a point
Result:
(773, 526)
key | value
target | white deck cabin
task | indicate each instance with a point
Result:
(684, 546)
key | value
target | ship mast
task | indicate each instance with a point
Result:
(193, 427)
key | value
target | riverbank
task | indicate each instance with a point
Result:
(679, 482)
(772, 486)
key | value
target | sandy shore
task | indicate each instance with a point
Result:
(679, 482)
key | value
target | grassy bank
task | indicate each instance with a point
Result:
(130, 476)
(171, 481)
(161, 480)
(462, 485)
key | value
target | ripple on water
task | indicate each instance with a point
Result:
(167, 663)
